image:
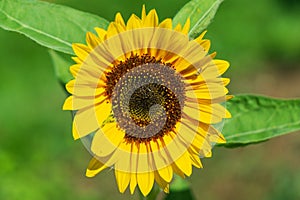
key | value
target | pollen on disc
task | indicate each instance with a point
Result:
(147, 101)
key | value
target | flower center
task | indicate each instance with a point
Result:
(123, 67)
(147, 100)
(150, 96)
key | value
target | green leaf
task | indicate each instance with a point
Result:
(200, 12)
(62, 65)
(257, 118)
(50, 25)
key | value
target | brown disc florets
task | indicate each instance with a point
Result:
(147, 97)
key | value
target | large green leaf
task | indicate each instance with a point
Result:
(200, 12)
(53, 26)
(257, 118)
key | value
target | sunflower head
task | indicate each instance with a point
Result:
(146, 98)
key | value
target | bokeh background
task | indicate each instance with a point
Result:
(40, 160)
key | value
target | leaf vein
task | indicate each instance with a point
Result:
(204, 16)
(258, 131)
(22, 25)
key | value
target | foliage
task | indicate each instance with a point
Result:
(66, 25)
(255, 118)
(200, 12)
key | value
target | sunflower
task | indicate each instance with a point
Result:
(147, 98)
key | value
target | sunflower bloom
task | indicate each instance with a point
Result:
(146, 98)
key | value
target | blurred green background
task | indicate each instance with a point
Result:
(40, 160)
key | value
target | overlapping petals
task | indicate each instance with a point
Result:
(140, 163)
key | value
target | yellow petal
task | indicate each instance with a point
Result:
(205, 44)
(215, 69)
(78, 103)
(195, 55)
(84, 123)
(74, 69)
(77, 60)
(188, 128)
(143, 160)
(122, 179)
(177, 171)
(99, 103)
(119, 19)
(162, 183)
(70, 86)
(75, 133)
(228, 97)
(166, 173)
(161, 156)
(92, 40)
(134, 22)
(144, 13)
(227, 114)
(88, 118)
(222, 65)
(187, 69)
(208, 154)
(200, 37)
(213, 55)
(186, 27)
(82, 51)
(94, 167)
(199, 139)
(172, 148)
(215, 135)
(133, 182)
(200, 80)
(114, 29)
(209, 114)
(206, 149)
(106, 140)
(145, 182)
(178, 28)
(195, 159)
(167, 23)
(68, 105)
(85, 88)
(151, 19)
(184, 164)
(102, 108)
(111, 30)
(101, 33)
(126, 158)
(197, 60)
(208, 91)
